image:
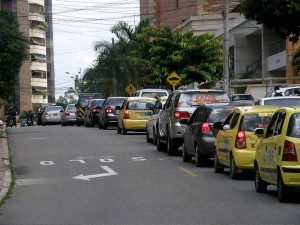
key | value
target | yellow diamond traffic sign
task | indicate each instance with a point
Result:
(173, 79)
(130, 89)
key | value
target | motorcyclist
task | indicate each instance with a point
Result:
(29, 115)
(11, 114)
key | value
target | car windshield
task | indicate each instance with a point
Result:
(294, 126)
(192, 99)
(252, 121)
(219, 115)
(242, 97)
(116, 101)
(84, 101)
(153, 94)
(141, 105)
(278, 101)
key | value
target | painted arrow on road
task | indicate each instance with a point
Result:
(109, 171)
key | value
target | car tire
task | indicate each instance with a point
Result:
(63, 124)
(233, 170)
(148, 140)
(171, 147)
(160, 145)
(92, 124)
(154, 137)
(185, 156)
(218, 168)
(260, 185)
(283, 192)
(104, 126)
(119, 129)
(199, 159)
(124, 131)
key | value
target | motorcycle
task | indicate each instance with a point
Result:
(30, 122)
(10, 122)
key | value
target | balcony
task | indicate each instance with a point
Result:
(38, 66)
(38, 2)
(37, 49)
(34, 32)
(36, 16)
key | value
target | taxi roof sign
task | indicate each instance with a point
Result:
(173, 79)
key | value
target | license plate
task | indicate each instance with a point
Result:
(144, 115)
(54, 114)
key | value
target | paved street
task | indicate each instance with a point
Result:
(79, 175)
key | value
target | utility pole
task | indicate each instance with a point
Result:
(114, 75)
(226, 81)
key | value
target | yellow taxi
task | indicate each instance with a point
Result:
(134, 114)
(235, 144)
(276, 159)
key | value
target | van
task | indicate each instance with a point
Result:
(151, 93)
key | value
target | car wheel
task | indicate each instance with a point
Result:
(171, 147)
(233, 169)
(119, 129)
(199, 159)
(185, 156)
(217, 166)
(104, 126)
(283, 192)
(147, 136)
(63, 124)
(260, 185)
(92, 123)
(154, 137)
(124, 131)
(160, 145)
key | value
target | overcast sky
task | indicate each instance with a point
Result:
(77, 25)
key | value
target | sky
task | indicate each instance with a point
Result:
(77, 26)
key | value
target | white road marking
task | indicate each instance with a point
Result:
(109, 171)
(78, 160)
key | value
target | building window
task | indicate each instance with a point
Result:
(37, 41)
(38, 74)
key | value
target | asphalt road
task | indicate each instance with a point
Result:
(79, 175)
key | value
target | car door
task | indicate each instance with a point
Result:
(163, 116)
(189, 133)
(266, 150)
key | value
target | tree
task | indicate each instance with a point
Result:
(70, 97)
(281, 15)
(13, 51)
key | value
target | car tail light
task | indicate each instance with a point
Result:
(108, 109)
(46, 114)
(240, 140)
(126, 114)
(205, 128)
(94, 110)
(181, 115)
(77, 110)
(289, 152)
(67, 113)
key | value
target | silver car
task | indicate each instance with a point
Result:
(68, 116)
(52, 115)
(179, 106)
(280, 101)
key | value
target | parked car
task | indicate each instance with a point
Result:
(151, 125)
(277, 160)
(235, 144)
(247, 98)
(151, 93)
(40, 112)
(68, 116)
(282, 90)
(52, 115)
(280, 101)
(180, 105)
(107, 112)
(199, 137)
(134, 114)
(91, 116)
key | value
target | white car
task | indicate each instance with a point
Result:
(280, 101)
(285, 91)
(151, 93)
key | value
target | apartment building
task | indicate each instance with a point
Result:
(35, 84)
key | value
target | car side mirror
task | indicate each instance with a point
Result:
(259, 132)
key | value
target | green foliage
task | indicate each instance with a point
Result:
(144, 55)
(13, 51)
(281, 15)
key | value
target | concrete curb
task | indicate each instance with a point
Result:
(5, 173)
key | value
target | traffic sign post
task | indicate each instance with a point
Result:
(173, 79)
(130, 89)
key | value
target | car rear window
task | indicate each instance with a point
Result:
(71, 108)
(99, 102)
(252, 121)
(153, 94)
(219, 114)
(294, 126)
(140, 105)
(54, 108)
(242, 97)
(192, 99)
(116, 101)
(278, 101)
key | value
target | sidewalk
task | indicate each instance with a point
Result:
(5, 175)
